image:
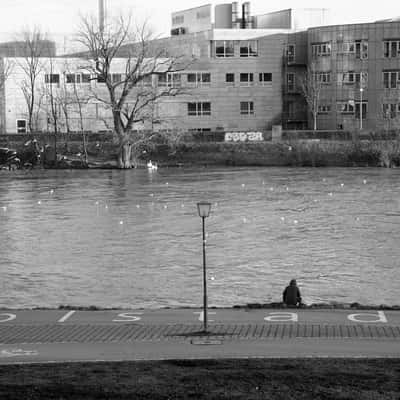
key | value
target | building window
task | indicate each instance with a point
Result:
(346, 47)
(323, 77)
(85, 78)
(246, 108)
(70, 78)
(361, 47)
(351, 78)
(390, 110)
(101, 78)
(291, 53)
(290, 82)
(230, 79)
(265, 78)
(169, 79)
(199, 79)
(52, 78)
(345, 107)
(73, 78)
(203, 14)
(248, 48)
(324, 109)
(224, 48)
(391, 48)
(246, 79)
(178, 19)
(116, 78)
(391, 79)
(146, 81)
(364, 109)
(21, 125)
(321, 49)
(199, 109)
(358, 47)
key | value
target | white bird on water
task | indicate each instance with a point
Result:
(150, 165)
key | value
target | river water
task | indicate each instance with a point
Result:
(133, 238)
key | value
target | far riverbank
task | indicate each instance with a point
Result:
(289, 152)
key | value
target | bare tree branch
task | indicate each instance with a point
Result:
(311, 85)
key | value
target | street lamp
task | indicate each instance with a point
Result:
(204, 209)
(361, 108)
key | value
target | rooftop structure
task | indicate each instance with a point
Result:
(234, 16)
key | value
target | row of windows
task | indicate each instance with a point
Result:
(389, 110)
(345, 107)
(391, 79)
(358, 47)
(391, 49)
(194, 79)
(226, 48)
(204, 108)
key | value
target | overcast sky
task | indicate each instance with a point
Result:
(61, 16)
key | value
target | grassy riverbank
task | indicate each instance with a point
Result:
(288, 379)
(293, 151)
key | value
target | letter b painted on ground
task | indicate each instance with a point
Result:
(282, 317)
(370, 317)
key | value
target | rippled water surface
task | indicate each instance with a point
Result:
(133, 238)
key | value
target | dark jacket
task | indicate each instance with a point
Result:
(291, 295)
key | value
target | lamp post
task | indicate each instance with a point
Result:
(361, 108)
(204, 209)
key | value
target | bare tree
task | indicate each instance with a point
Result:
(124, 59)
(52, 96)
(311, 85)
(6, 68)
(74, 100)
(32, 66)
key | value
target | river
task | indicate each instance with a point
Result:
(132, 238)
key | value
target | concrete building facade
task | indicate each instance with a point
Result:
(359, 67)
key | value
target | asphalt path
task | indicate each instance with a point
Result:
(188, 316)
(112, 335)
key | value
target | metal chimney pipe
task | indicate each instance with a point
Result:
(101, 15)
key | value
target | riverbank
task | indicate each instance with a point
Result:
(247, 379)
(292, 150)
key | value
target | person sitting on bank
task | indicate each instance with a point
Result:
(291, 295)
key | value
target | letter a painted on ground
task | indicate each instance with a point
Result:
(358, 317)
(282, 317)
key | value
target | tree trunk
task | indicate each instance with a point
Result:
(315, 121)
(125, 155)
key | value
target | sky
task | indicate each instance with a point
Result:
(62, 16)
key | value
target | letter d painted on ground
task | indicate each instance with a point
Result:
(358, 317)
(282, 317)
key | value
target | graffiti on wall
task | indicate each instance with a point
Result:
(243, 136)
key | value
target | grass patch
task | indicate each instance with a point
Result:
(287, 379)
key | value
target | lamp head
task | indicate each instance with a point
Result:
(204, 208)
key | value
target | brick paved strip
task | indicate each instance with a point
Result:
(52, 333)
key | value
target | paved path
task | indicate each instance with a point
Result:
(55, 335)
